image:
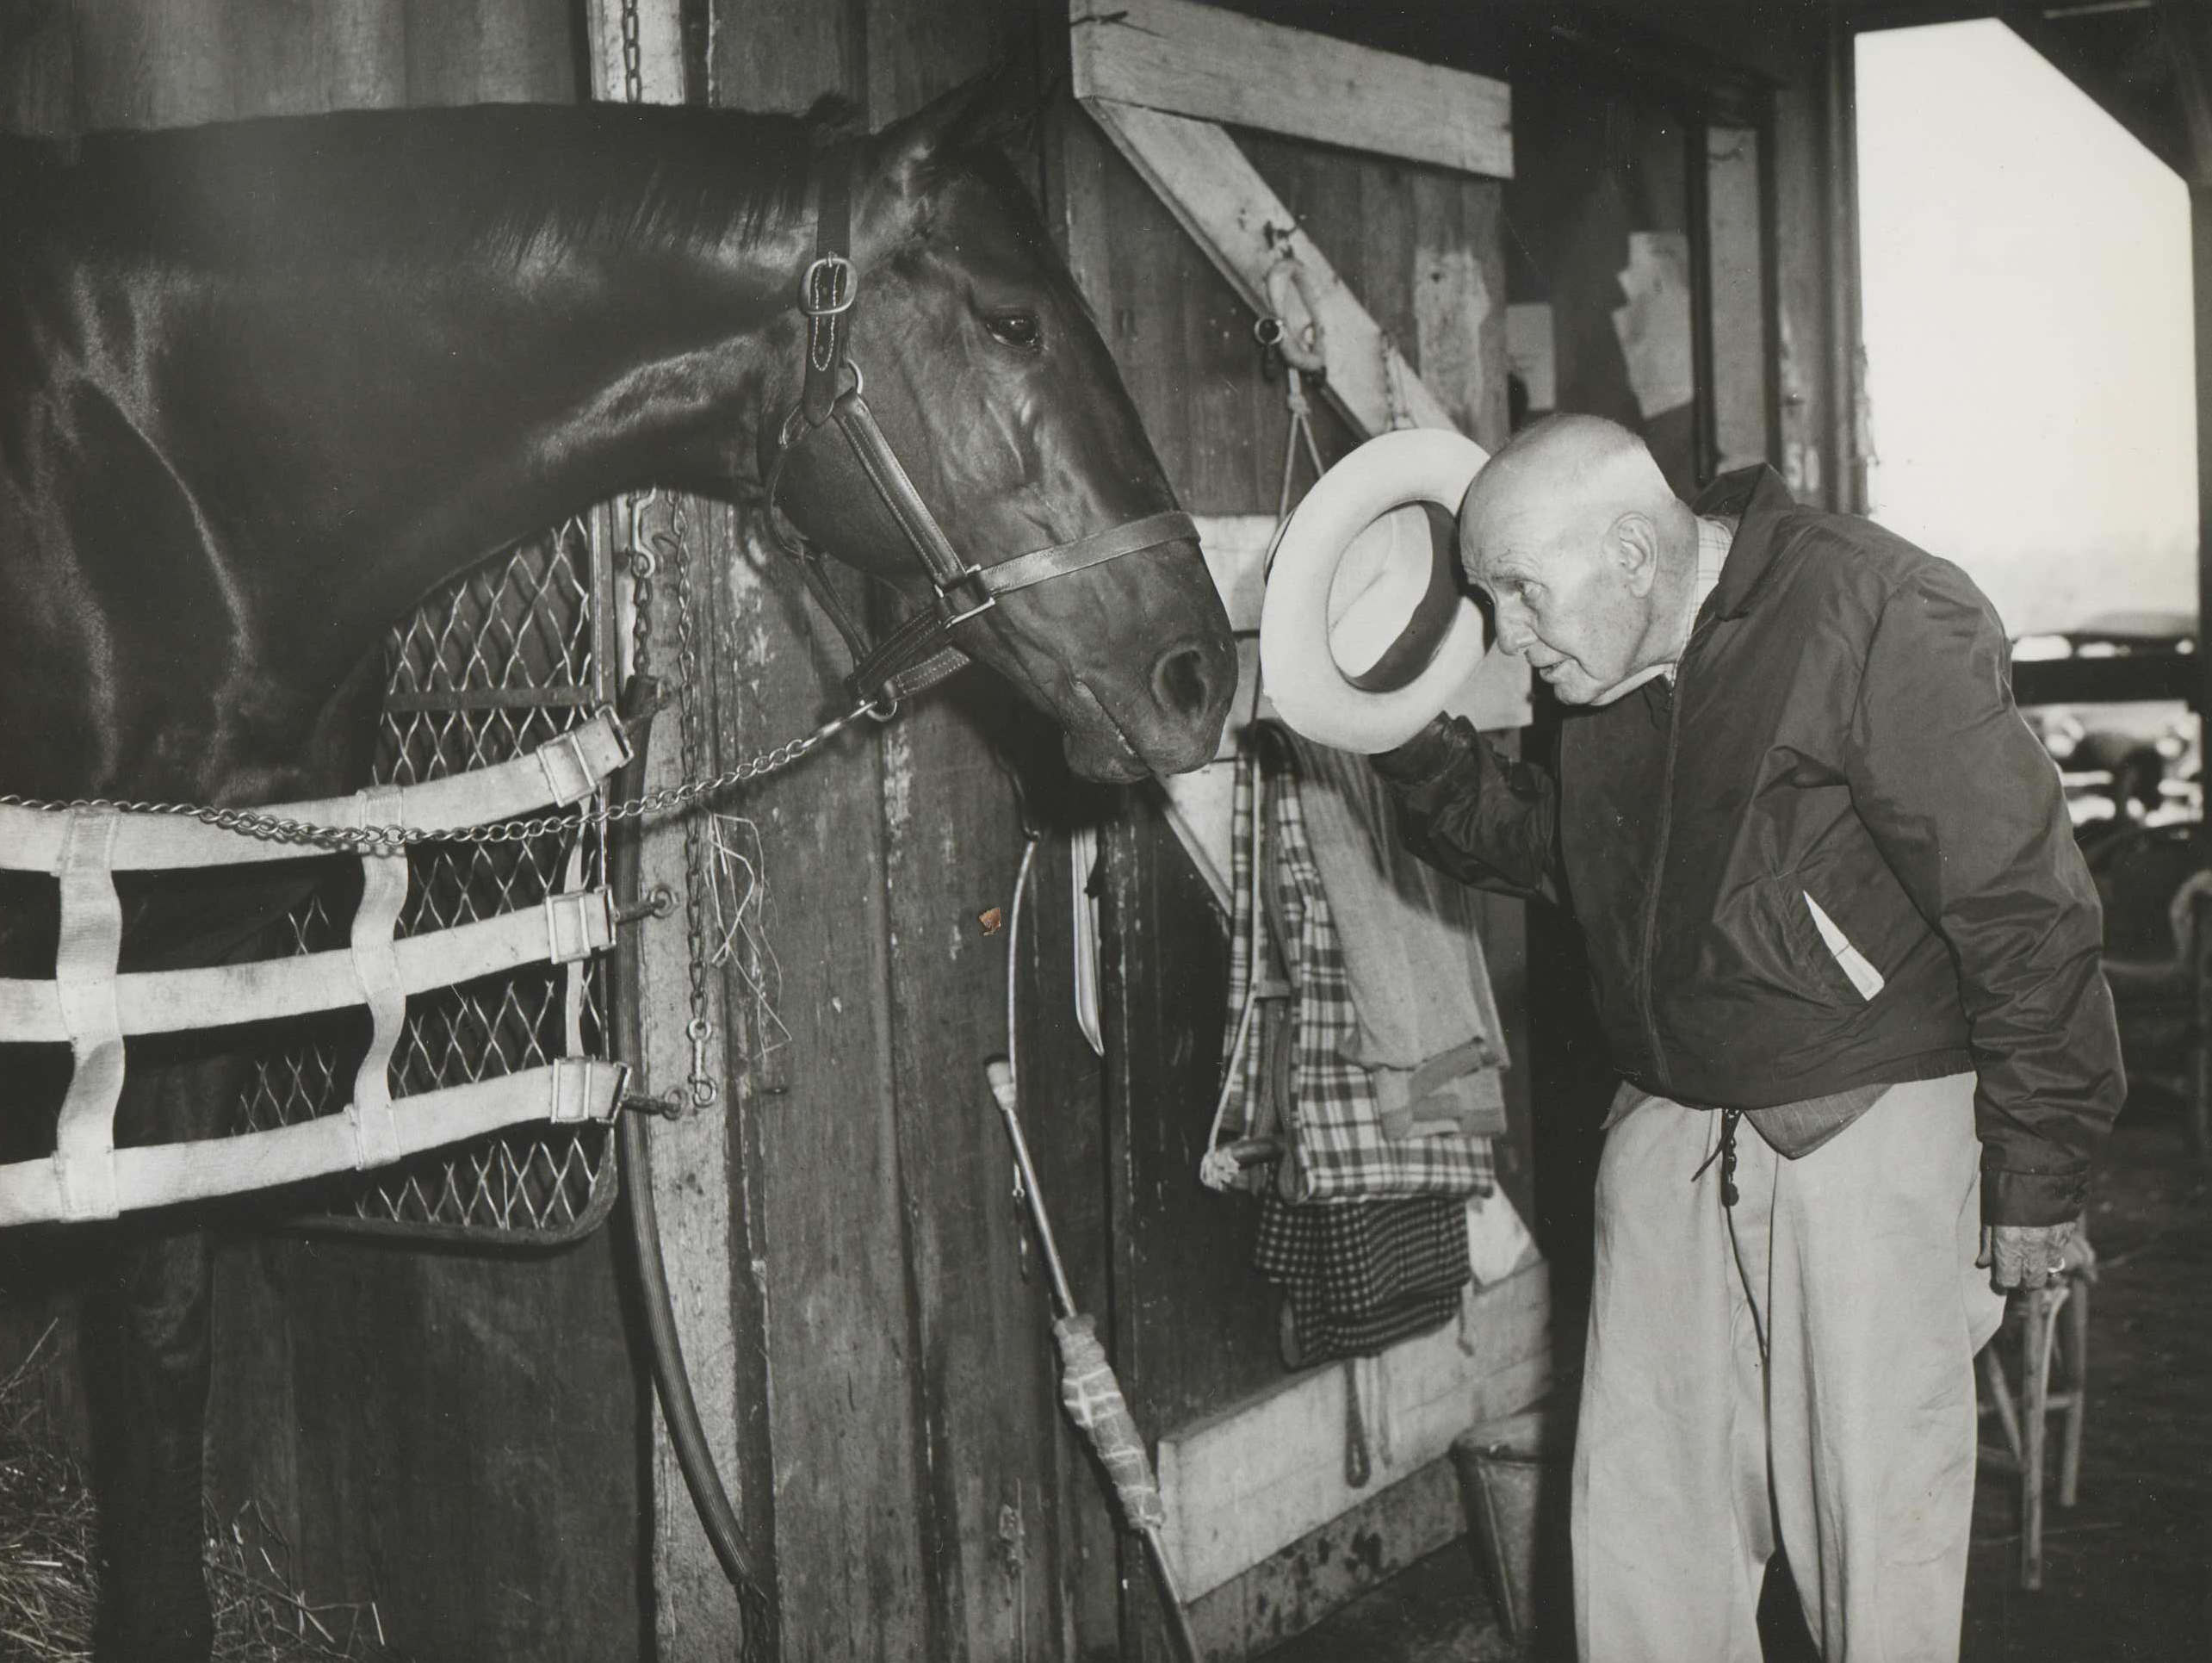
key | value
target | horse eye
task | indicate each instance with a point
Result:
(1016, 329)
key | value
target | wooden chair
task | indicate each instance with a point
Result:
(2047, 1329)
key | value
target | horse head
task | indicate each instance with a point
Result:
(998, 397)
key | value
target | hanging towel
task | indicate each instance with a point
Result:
(1360, 1277)
(1427, 1023)
(1330, 1111)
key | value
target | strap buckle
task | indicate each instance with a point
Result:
(843, 287)
(971, 577)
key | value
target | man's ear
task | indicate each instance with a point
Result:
(1633, 541)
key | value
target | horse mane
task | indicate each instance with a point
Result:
(499, 183)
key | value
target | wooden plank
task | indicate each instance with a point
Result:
(696, 1609)
(2200, 243)
(998, 1450)
(438, 1432)
(1218, 65)
(298, 59)
(149, 65)
(1240, 1485)
(1108, 220)
(698, 1169)
(1182, 337)
(471, 51)
(1737, 297)
(1299, 1584)
(1222, 201)
(824, 1207)
(1799, 250)
(38, 70)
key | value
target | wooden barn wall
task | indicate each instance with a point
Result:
(930, 1499)
(456, 1436)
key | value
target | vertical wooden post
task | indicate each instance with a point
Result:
(1847, 494)
(698, 1172)
(2200, 218)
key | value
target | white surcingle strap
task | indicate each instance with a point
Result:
(91, 1007)
(567, 1090)
(376, 969)
(565, 929)
(84, 989)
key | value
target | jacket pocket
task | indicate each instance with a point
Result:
(1864, 978)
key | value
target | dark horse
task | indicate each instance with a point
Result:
(261, 385)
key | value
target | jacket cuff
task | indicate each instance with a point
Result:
(2032, 1198)
(1428, 755)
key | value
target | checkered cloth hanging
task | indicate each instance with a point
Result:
(1338, 1149)
(1368, 1236)
(1360, 1277)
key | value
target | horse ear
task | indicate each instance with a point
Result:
(1003, 108)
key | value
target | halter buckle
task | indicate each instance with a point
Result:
(844, 287)
(971, 578)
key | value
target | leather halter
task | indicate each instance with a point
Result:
(920, 651)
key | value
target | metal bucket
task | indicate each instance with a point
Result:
(1513, 1477)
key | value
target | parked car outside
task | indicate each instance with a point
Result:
(2132, 761)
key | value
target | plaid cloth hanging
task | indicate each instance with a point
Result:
(1368, 1236)
(1359, 1277)
(1338, 1149)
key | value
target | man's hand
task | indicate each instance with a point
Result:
(2023, 1255)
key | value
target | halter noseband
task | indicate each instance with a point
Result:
(920, 651)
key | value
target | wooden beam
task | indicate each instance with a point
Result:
(697, 1614)
(2200, 220)
(1219, 198)
(1245, 1484)
(1309, 1581)
(1218, 65)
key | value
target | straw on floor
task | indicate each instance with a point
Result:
(48, 1571)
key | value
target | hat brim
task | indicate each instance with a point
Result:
(1308, 687)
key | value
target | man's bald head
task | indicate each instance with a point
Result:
(1586, 552)
(1568, 477)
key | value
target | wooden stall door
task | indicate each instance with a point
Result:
(1195, 1326)
(929, 1498)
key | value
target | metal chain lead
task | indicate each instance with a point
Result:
(658, 535)
(662, 528)
(632, 56)
(386, 839)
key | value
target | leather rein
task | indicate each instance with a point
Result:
(920, 651)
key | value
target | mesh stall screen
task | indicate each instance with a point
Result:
(511, 654)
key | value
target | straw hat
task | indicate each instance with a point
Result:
(1364, 634)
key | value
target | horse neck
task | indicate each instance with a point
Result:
(407, 415)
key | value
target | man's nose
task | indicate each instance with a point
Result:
(1513, 634)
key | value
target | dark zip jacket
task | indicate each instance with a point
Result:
(1843, 742)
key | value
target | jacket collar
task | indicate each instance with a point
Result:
(1757, 500)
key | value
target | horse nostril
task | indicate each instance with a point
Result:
(1181, 682)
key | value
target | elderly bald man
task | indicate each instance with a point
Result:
(1845, 956)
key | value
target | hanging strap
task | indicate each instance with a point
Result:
(827, 291)
(83, 1165)
(383, 990)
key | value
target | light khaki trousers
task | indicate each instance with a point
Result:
(1802, 1364)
